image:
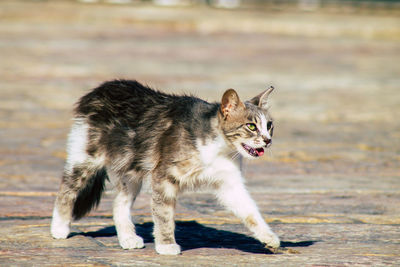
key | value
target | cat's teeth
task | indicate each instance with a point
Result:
(255, 152)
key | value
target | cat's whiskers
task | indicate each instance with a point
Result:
(235, 155)
(270, 151)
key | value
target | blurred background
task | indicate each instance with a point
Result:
(330, 185)
(335, 66)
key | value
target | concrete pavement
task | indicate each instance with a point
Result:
(330, 188)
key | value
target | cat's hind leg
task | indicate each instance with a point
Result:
(82, 182)
(80, 191)
(61, 220)
(128, 187)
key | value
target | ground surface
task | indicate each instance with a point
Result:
(330, 187)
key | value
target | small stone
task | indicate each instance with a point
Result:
(282, 250)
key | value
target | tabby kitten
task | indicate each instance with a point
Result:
(127, 132)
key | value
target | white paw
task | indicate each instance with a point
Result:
(169, 249)
(271, 240)
(59, 227)
(59, 230)
(131, 242)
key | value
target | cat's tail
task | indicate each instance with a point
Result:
(89, 196)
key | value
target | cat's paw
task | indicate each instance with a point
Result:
(59, 230)
(131, 242)
(168, 249)
(59, 227)
(271, 240)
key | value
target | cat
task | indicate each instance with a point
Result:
(127, 132)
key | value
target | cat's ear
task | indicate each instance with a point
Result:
(230, 103)
(261, 99)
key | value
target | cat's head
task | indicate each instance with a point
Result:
(247, 126)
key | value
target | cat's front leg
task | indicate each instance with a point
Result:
(163, 210)
(234, 196)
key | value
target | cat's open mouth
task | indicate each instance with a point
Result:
(255, 152)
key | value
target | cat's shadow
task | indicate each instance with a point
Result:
(191, 235)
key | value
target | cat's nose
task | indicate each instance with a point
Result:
(267, 141)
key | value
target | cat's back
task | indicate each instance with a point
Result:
(130, 96)
(128, 102)
(119, 96)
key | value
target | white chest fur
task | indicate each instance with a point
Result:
(217, 163)
(211, 150)
(209, 165)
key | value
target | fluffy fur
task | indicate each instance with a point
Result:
(127, 132)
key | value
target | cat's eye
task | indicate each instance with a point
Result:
(251, 126)
(269, 125)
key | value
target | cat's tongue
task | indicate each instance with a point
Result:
(260, 151)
